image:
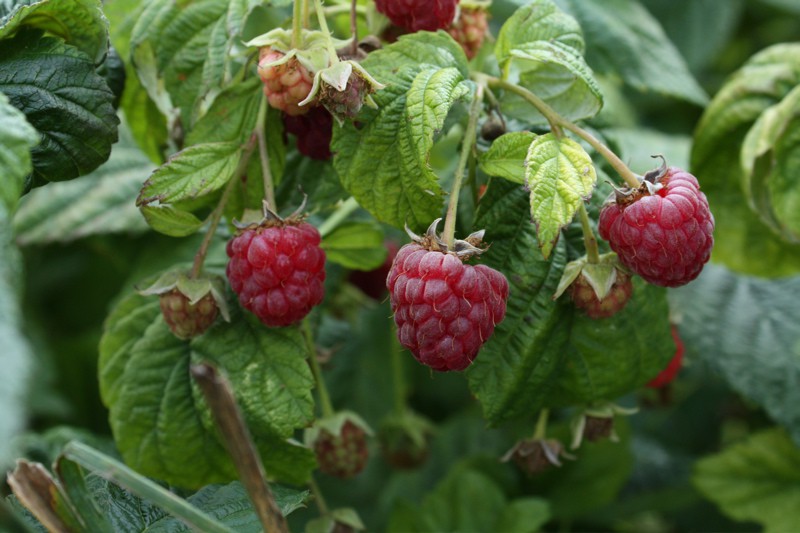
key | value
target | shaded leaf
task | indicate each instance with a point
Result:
(17, 137)
(357, 245)
(505, 158)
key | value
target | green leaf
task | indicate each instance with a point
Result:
(742, 241)
(541, 48)
(159, 419)
(194, 171)
(170, 220)
(384, 164)
(357, 245)
(64, 98)
(770, 163)
(755, 480)
(560, 176)
(79, 22)
(232, 116)
(71, 476)
(517, 367)
(745, 328)
(97, 203)
(623, 39)
(17, 137)
(505, 158)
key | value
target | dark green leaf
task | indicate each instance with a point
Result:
(624, 39)
(79, 22)
(64, 98)
(755, 480)
(160, 421)
(100, 202)
(742, 241)
(745, 328)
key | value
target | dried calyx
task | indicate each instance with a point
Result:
(649, 185)
(270, 218)
(463, 249)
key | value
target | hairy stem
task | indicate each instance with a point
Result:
(322, 389)
(239, 443)
(216, 215)
(557, 122)
(466, 150)
(266, 173)
(338, 216)
(589, 240)
(323, 25)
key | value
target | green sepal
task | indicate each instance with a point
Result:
(333, 424)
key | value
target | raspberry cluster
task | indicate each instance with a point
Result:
(185, 319)
(286, 84)
(444, 309)
(344, 455)
(662, 231)
(313, 131)
(470, 29)
(585, 298)
(277, 270)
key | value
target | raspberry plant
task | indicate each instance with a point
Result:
(228, 216)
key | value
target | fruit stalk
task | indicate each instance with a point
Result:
(322, 389)
(266, 173)
(200, 256)
(541, 425)
(338, 216)
(228, 417)
(318, 498)
(323, 25)
(589, 240)
(398, 375)
(354, 26)
(466, 150)
(297, 23)
(557, 122)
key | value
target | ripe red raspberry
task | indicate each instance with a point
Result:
(415, 15)
(470, 29)
(444, 309)
(187, 320)
(286, 84)
(277, 269)
(584, 297)
(343, 455)
(373, 282)
(313, 131)
(666, 376)
(663, 230)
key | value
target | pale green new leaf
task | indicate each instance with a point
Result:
(384, 165)
(170, 220)
(560, 176)
(505, 158)
(192, 172)
(771, 173)
(755, 480)
(17, 137)
(79, 22)
(100, 202)
(624, 39)
(356, 245)
(742, 241)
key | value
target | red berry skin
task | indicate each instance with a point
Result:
(286, 84)
(470, 30)
(343, 456)
(277, 271)
(444, 310)
(667, 237)
(313, 131)
(666, 376)
(184, 319)
(415, 15)
(373, 282)
(584, 297)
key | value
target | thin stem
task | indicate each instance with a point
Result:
(266, 173)
(556, 121)
(228, 418)
(589, 240)
(306, 13)
(321, 504)
(338, 216)
(120, 474)
(216, 215)
(322, 389)
(354, 27)
(466, 150)
(398, 373)
(323, 25)
(541, 425)
(297, 23)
